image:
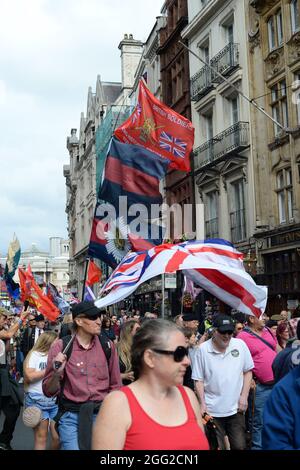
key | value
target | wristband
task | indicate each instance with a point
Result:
(20, 322)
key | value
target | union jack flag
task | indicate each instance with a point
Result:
(214, 264)
(137, 113)
(173, 145)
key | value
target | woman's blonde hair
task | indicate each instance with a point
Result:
(42, 345)
(125, 343)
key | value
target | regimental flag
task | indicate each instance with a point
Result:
(33, 293)
(158, 128)
(56, 298)
(133, 172)
(13, 258)
(214, 265)
(94, 274)
(131, 177)
(3, 291)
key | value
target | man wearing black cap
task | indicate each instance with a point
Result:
(82, 379)
(190, 320)
(222, 371)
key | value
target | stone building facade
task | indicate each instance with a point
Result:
(274, 77)
(175, 93)
(223, 163)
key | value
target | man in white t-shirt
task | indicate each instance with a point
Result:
(222, 371)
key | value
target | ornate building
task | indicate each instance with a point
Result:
(48, 266)
(175, 92)
(274, 68)
(223, 163)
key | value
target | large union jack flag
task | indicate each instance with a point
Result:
(214, 265)
(173, 145)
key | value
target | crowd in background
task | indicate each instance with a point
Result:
(234, 362)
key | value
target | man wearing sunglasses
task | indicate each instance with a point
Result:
(81, 380)
(222, 371)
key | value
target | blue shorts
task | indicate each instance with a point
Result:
(47, 405)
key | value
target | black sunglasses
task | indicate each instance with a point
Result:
(94, 318)
(178, 355)
(226, 332)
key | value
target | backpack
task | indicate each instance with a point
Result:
(104, 341)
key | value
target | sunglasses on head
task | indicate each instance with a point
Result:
(178, 355)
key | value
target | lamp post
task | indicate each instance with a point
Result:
(46, 273)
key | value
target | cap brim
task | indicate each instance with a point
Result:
(224, 328)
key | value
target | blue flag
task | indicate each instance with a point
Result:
(131, 176)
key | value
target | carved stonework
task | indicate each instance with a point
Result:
(224, 181)
(294, 48)
(278, 158)
(254, 40)
(274, 63)
(262, 5)
(254, 33)
(245, 173)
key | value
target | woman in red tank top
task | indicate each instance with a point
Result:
(155, 412)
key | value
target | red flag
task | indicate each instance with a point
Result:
(159, 129)
(94, 274)
(31, 291)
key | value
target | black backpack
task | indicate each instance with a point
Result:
(104, 341)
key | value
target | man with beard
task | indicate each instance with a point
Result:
(222, 371)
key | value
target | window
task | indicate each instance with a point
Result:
(238, 213)
(279, 105)
(204, 3)
(211, 215)
(296, 95)
(295, 15)
(275, 30)
(234, 110)
(229, 30)
(209, 126)
(204, 51)
(284, 189)
(176, 77)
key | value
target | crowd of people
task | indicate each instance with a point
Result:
(96, 379)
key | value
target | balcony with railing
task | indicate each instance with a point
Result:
(232, 140)
(201, 83)
(225, 62)
(211, 228)
(238, 225)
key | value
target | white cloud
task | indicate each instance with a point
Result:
(51, 51)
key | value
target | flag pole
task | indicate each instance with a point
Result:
(251, 101)
(84, 279)
(163, 296)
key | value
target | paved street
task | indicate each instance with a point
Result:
(23, 436)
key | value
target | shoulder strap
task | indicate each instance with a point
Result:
(259, 337)
(106, 346)
(65, 340)
(187, 402)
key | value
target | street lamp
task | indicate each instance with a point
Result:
(46, 273)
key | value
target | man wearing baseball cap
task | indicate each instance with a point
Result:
(81, 378)
(222, 371)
